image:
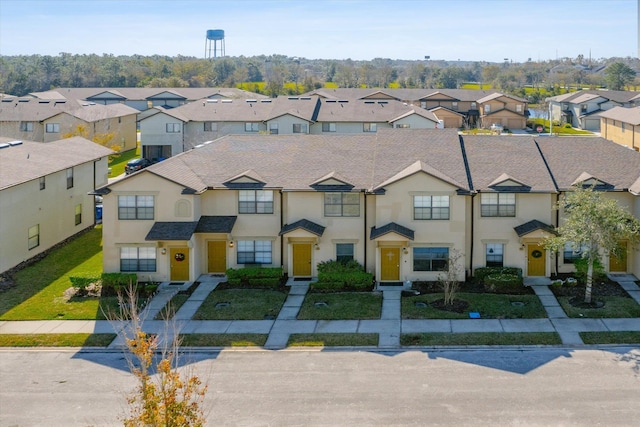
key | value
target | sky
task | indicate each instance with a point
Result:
(480, 30)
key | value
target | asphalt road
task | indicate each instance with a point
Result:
(540, 387)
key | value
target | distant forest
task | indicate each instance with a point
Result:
(281, 75)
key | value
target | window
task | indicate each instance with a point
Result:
(328, 127)
(42, 183)
(369, 127)
(26, 126)
(430, 207)
(251, 127)
(430, 259)
(34, 236)
(494, 255)
(519, 108)
(210, 126)
(135, 207)
(273, 128)
(138, 259)
(622, 126)
(571, 253)
(52, 128)
(403, 126)
(255, 202)
(344, 252)
(299, 128)
(254, 252)
(487, 109)
(583, 108)
(173, 127)
(70, 178)
(454, 105)
(423, 104)
(473, 105)
(78, 214)
(498, 204)
(341, 204)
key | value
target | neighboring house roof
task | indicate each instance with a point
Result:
(619, 96)
(138, 93)
(534, 225)
(586, 97)
(498, 95)
(492, 160)
(408, 95)
(32, 160)
(604, 160)
(369, 111)
(30, 109)
(304, 224)
(626, 115)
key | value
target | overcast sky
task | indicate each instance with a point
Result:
(489, 30)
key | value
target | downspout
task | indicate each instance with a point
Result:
(95, 220)
(281, 225)
(364, 231)
(557, 225)
(473, 220)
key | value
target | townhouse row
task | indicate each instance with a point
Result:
(398, 202)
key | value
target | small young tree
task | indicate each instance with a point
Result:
(594, 223)
(163, 396)
(449, 278)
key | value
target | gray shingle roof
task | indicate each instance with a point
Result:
(32, 160)
(620, 96)
(24, 109)
(391, 227)
(626, 115)
(216, 224)
(171, 230)
(533, 225)
(304, 224)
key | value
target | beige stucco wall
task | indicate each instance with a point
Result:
(501, 230)
(23, 206)
(612, 130)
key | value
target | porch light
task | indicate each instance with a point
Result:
(163, 251)
(317, 247)
(231, 243)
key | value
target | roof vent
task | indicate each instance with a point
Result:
(265, 100)
(293, 98)
(342, 100)
(43, 101)
(227, 101)
(384, 102)
(23, 100)
(305, 98)
(4, 145)
(14, 143)
(213, 101)
(251, 100)
(330, 100)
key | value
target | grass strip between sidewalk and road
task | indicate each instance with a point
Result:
(481, 338)
(628, 337)
(333, 340)
(56, 340)
(223, 340)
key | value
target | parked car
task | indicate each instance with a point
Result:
(497, 127)
(136, 165)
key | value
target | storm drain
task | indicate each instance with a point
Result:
(269, 317)
(321, 304)
(420, 304)
(223, 304)
(517, 303)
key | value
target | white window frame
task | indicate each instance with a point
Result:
(251, 127)
(342, 204)
(254, 252)
(255, 202)
(493, 251)
(497, 205)
(328, 127)
(69, 178)
(33, 240)
(26, 126)
(145, 258)
(432, 256)
(210, 126)
(369, 127)
(136, 207)
(52, 128)
(428, 207)
(173, 127)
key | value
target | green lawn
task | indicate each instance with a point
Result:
(243, 304)
(490, 306)
(611, 337)
(223, 340)
(56, 340)
(485, 338)
(341, 306)
(614, 307)
(39, 294)
(332, 340)
(560, 130)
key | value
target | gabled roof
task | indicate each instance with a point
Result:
(505, 180)
(623, 114)
(498, 95)
(30, 160)
(215, 224)
(171, 230)
(38, 110)
(534, 225)
(391, 227)
(303, 224)
(449, 110)
(619, 96)
(247, 179)
(587, 180)
(427, 114)
(419, 166)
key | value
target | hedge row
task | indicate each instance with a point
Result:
(335, 275)
(255, 276)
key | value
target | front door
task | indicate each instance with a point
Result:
(302, 260)
(179, 264)
(390, 264)
(536, 260)
(618, 260)
(216, 256)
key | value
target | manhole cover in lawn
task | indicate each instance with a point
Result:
(321, 304)
(269, 317)
(420, 304)
(223, 304)
(517, 303)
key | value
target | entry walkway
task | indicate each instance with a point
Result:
(389, 327)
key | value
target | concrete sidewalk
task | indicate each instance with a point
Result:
(389, 327)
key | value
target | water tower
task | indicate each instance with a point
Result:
(214, 36)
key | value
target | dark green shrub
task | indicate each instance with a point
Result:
(481, 273)
(255, 276)
(335, 275)
(503, 283)
(112, 283)
(82, 282)
(582, 264)
(338, 266)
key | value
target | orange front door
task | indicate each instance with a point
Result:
(302, 260)
(536, 260)
(217, 256)
(389, 264)
(179, 264)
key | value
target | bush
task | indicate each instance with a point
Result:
(112, 283)
(81, 283)
(582, 264)
(335, 275)
(503, 283)
(255, 276)
(481, 273)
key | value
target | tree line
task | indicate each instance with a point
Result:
(282, 75)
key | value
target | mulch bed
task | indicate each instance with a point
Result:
(469, 286)
(576, 293)
(458, 306)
